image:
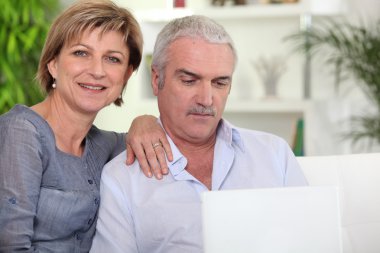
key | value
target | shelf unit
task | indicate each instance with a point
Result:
(266, 105)
(313, 7)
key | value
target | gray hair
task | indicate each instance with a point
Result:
(194, 26)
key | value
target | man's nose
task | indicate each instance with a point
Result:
(205, 94)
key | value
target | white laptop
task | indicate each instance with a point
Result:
(272, 220)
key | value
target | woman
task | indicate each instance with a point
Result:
(52, 156)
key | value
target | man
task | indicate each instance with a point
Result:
(193, 63)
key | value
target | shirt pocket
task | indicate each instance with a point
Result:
(61, 213)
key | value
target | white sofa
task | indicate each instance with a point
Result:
(358, 179)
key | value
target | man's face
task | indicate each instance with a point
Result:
(197, 82)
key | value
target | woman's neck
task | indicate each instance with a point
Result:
(70, 127)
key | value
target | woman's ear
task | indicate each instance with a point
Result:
(128, 73)
(155, 80)
(52, 67)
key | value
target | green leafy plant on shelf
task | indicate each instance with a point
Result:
(354, 51)
(23, 27)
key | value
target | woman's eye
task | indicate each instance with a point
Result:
(113, 59)
(80, 53)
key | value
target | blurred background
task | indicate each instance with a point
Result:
(307, 70)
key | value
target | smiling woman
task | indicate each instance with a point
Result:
(52, 155)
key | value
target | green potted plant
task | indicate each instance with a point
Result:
(23, 26)
(354, 51)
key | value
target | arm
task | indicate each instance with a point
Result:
(143, 134)
(20, 180)
(115, 228)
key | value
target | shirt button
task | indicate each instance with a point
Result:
(77, 236)
(96, 200)
(90, 181)
(89, 221)
(12, 200)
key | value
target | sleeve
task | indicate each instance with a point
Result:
(115, 230)
(120, 145)
(110, 142)
(20, 179)
(293, 173)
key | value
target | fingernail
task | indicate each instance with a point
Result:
(149, 174)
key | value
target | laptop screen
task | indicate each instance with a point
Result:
(272, 220)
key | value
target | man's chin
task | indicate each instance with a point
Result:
(200, 136)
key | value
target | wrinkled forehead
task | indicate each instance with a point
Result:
(200, 58)
(195, 51)
(196, 38)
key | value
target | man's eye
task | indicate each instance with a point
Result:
(221, 84)
(113, 59)
(80, 53)
(188, 82)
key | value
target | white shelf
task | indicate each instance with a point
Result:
(266, 105)
(269, 105)
(328, 7)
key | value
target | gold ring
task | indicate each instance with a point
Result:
(155, 145)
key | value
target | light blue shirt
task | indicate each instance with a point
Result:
(140, 214)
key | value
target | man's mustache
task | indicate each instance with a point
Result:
(203, 110)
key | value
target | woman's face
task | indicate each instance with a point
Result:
(90, 72)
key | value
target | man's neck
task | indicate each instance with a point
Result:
(200, 164)
(200, 158)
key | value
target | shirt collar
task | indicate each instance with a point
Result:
(226, 132)
(178, 157)
(230, 134)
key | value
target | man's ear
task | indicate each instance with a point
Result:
(155, 80)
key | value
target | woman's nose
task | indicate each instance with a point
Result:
(97, 68)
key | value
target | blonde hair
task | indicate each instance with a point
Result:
(78, 18)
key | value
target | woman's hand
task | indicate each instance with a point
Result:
(147, 141)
